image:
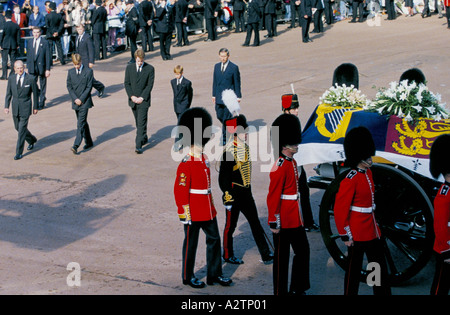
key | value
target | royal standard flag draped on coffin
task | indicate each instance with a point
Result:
(396, 140)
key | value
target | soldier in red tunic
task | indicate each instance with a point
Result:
(193, 197)
(285, 219)
(354, 212)
(440, 164)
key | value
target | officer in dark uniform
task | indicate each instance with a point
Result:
(235, 183)
(285, 218)
(440, 165)
(192, 190)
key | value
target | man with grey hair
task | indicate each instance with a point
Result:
(22, 94)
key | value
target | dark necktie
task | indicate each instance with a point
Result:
(19, 83)
(223, 68)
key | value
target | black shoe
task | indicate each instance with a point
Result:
(220, 280)
(208, 40)
(169, 58)
(138, 151)
(195, 283)
(88, 146)
(255, 45)
(131, 61)
(3, 78)
(245, 45)
(268, 260)
(31, 146)
(18, 157)
(74, 149)
(178, 45)
(312, 228)
(234, 260)
(101, 93)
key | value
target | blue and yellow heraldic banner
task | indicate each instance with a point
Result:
(397, 141)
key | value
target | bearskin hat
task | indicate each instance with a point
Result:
(440, 156)
(413, 74)
(358, 146)
(286, 130)
(198, 121)
(289, 101)
(346, 73)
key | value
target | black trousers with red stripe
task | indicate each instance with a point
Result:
(283, 241)
(213, 260)
(441, 280)
(246, 204)
(374, 250)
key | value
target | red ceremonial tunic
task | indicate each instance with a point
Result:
(442, 220)
(192, 190)
(447, 3)
(353, 207)
(283, 197)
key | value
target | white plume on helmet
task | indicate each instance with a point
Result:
(231, 102)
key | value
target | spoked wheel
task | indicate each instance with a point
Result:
(404, 214)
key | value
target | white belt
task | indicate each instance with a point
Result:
(200, 191)
(289, 197)
(362, 209)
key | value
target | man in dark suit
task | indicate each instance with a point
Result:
(254, 17)
(317, 16)
(211, 13)
(132, 27)
(9, 43)
(146, 13)
(305, 19)
(328, 9)
(85, 48)
(238, 14)
(295, 10)
(98, 21)
(182, 92)
(55, 27)
(181, 17)
(39, 60)
(22, 93)
(270, 15)
(79, 86)
(139, 79)
(226, 76)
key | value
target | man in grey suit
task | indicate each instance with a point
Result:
(79, 86)
(139, 79)
(22, 93)
(39, 61)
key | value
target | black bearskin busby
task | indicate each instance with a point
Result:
(413, 74)
(440, 156)
(346, 73)
(358, 146)
(289, 101)
(198, 122)
(286, 130)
